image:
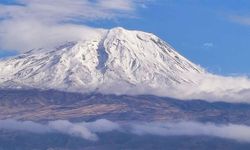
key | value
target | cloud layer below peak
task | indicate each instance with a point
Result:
(90, 130)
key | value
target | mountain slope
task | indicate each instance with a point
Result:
(48, 105)
(115, 58)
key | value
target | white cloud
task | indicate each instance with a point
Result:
(216, 88)
(66, 10)
(208, 87)
(85, 130)
(78, 130)
(117, 4)
(208, 44)
(31, 34)
(89, 130)
(101, 125)
(36, 23)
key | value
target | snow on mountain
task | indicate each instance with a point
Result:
(116, 57)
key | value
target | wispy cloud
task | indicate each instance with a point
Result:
(28, 126)
(117, 4)
(244, 20)
(208, 44)
(67, 10)
(90, 130)
(230, 131)
(33, 23)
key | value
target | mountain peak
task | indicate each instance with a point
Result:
(118, 29)
(119, 57)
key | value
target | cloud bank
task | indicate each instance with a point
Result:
(230, 131)
(89, 130)
(217, 88)
(85, 130)
(209, 87)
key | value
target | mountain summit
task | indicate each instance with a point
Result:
(118, 58)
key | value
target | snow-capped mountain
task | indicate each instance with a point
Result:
(116, 57)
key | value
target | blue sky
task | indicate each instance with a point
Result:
(214, 34)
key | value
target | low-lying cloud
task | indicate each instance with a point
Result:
(24, 126)
(90, 130)
(85, 130)
(209, 87)
(217, 88)
(230, 131)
